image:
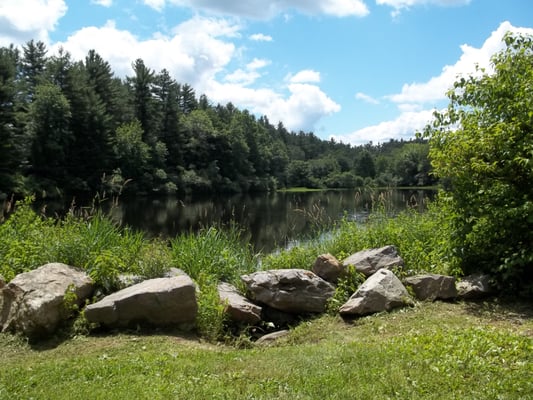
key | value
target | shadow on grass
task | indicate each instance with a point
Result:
(66, 334)
(516, 311)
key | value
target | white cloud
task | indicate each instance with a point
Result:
(435, 89)
(366, 98)
(258, 63)
(416, 99)
(248, 75)
(399, 5)
(103, 3)
(304, 76)
(197, 52)
(303, 108)
(259, 37)
(264, 9)
(405, 126)
(23, 20)
(157, 5)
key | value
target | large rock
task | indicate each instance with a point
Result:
(476, 286)
(383, 291)
(33, 303)
(370, 261)
(238, 307)
(270, 338)
(296, 291)
(328, 268)
(160, 301)
(432, 286)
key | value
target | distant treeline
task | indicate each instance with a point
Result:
(73, 126)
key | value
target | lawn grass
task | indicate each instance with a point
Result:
(430, 351)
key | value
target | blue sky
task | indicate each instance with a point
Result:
(355, 70)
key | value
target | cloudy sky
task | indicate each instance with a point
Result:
(355, 70)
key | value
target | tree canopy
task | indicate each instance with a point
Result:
(482, 149)
(71, 125)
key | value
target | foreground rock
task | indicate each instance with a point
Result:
(383, 291)
(370, 261)
(432, 286)
(33, 303)
(296, 291)
(328, 268)
(238, 307)
(476, 286)
(160, 302)
(272, 337)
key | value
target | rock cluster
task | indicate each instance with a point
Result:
(36, 302)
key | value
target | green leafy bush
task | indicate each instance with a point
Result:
(482, 148)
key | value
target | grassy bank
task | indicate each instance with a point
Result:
(432, 351)
(90, 240)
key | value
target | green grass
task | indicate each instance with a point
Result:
(431, 351)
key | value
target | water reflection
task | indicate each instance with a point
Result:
(268, 220)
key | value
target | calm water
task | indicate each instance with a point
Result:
(268, 220)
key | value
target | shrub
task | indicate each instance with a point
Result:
(482, 147)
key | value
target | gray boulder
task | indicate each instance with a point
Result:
(160, 301)
(370, 261)
(432, 286)
(270, 338)
(172, 272)
(238, 307)
(383, 291)
(33, 303)
(474, 286)
(328, 268)
(296, 291)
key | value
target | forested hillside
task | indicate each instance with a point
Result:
(73, 126)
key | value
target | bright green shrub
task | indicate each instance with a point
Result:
(482, 148)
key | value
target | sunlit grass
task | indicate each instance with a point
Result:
(432, 351)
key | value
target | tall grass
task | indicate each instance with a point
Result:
(94, 243)
(209, 257)
(105, 250)
(214, 253)
(422, 239)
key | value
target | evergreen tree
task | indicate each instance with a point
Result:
(49, 127)
(33, 66)
(12, 153)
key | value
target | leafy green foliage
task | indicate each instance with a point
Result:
(482, 147)
(347, 285)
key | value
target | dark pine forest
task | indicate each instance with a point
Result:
(71, 126)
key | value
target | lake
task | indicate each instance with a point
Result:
(268, 220)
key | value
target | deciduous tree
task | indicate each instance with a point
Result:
(483, 146)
